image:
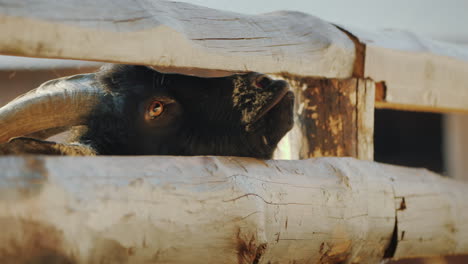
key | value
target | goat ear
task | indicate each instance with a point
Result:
(25, 145)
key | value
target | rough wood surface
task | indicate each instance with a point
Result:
(365, 119)
(432, 215)
(419, 73)
(334, 117)
(455, 131)
(175, 34)
(223, 210)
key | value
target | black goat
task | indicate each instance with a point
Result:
(135, 110)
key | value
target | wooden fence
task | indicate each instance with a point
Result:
(235, 210)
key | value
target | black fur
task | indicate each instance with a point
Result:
(203, 120)
(239, 115)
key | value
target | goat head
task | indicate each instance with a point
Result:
(135, 110)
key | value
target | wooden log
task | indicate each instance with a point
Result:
(455, 129)
(418, 73)
(223, 210)
(174, 34)
(433, 219)
(334, 117)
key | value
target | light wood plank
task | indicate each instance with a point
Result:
(333, 118)
(194, 210)
(224, 210)
(455, 131)
(419, 74)
(432, 214)
(365, 119)
(173, 34)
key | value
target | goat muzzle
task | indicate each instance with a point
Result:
(255, 94)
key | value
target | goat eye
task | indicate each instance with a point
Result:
(155, 109)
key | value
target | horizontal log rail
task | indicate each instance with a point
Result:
(225, 210)
(416, 73)
(237, 210)
(174, 34)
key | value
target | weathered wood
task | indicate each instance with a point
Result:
(223, 210)
(463, 259)
(365, 119)
(419, 74)
(455, 131)
(426, 214)
(174, 34)
(335, 117)
(11, 63)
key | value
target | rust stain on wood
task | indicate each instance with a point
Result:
(22, 48)
(35, 242)
(35, 176)
(27, 241)
(359, 61)
(335, 116)
(402, 205)
(34, 164)
(249, 250)
(110, 251)
(334, 253)
(380, 91)
(32, 178)
(328, 118)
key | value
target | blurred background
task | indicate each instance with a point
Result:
(431, 140)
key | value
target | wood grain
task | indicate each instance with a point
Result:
(426, 215)
(365, 118)
(419, 74)
(224, 210)
(174, 34)
(455, 129)
(334, 117)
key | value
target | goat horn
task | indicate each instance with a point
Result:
(57, 103)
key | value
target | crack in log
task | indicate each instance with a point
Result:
(283, 45)
(215, 19)
(203, 39)
(360, 49)
(391, 249)
(274, 182)
(334, 253)
(256, 212)
(247, 250)
(258, 255)
(402, 205)
(265, 201)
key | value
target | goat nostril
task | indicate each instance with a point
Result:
(263, 81)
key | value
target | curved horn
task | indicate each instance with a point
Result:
(57, 103)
